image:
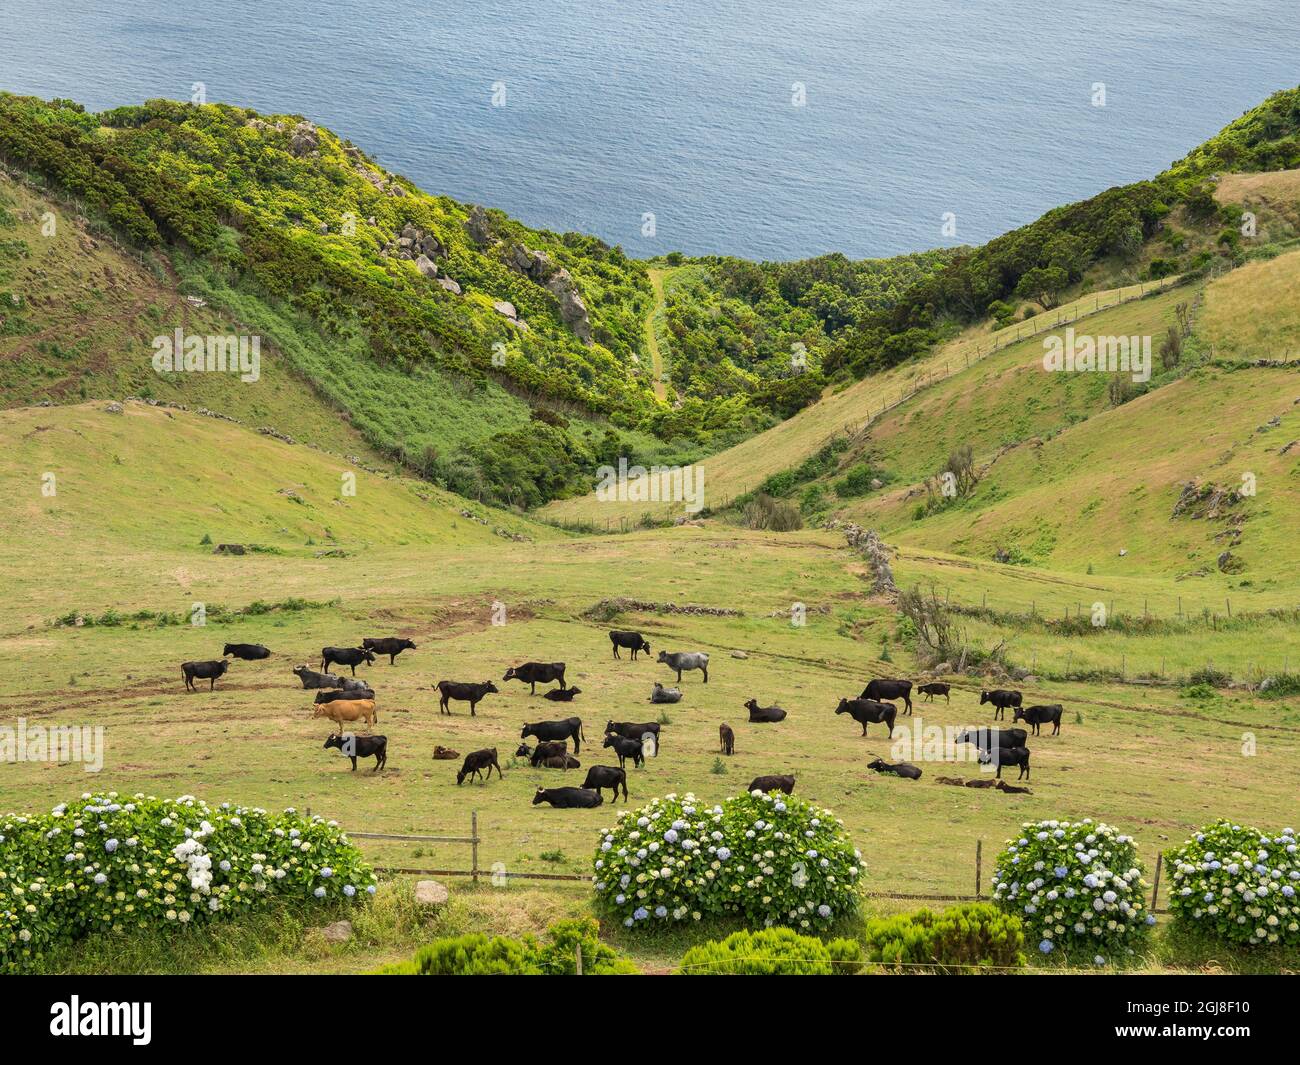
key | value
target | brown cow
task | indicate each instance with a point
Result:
(727, 739)
(341, 711)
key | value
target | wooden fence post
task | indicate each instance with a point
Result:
(979, 866)
(473, 854)
(1155, 889)
(577, 961)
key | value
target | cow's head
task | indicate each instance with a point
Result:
(524, 751)
(227, 649)
(408, 644)
(1018, 715)
(645, 645)
(541, 794)
(488, 686)
(663, 656)
(843, 708)
(610, 738)
(525, 732)
(335, 740)
(510, 674)
(752, 704)
(369, 655)
(223, 667)
(984, 697)
(878, 765)
(299, 670)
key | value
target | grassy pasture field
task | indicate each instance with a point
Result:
(1146, 758)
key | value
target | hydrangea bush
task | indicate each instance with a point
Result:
(109, 863)
(1238, 883)
(1077, 887)
(774, 860)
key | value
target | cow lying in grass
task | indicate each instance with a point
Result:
(355, 747)
(561, 695)
(248, 652)
(764, 714)
(772, 783)
(660, 694)
(208, 671)
(311, 679)
(476, 762)
(569, 798)
(899, 769)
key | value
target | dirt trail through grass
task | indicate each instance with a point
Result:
(657, 276)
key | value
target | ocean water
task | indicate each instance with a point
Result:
(689, 110)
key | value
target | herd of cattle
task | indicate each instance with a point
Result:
(348, 701)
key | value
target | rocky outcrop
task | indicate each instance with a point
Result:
(479, 227)
(304, 140)
(538, 268)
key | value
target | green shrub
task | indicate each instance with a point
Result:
(1238, 883)
(764, 512)
(772, 859)
(772, 952)
(477, 955)
(973, 935)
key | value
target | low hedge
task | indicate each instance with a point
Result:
(772, 952)
(960, 939)
(477, 955)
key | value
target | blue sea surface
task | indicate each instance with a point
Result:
(689, 111)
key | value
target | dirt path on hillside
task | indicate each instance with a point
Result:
(657, 276)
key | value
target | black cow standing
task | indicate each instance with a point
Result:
(884, 690)
(625, 749)
(392, 646)
(569, 728)
(345, 656)
(462, 692)
(606, 776)
(632, 640)
(1037, 716)
(534, 673)
(476, 762)
(208, 671)
(361, 747)
(869, 712)
(1001, 698)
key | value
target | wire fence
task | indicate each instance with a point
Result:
(498, 874)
